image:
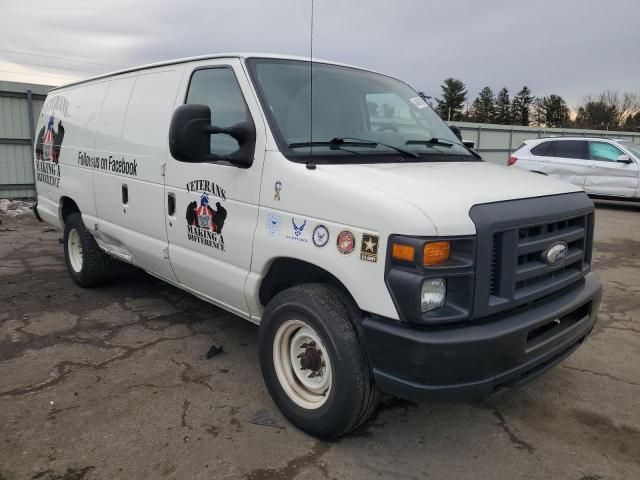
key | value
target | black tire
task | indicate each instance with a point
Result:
(353, 396)
(96, 264)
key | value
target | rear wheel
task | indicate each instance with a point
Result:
(87, 264)
(313, 362)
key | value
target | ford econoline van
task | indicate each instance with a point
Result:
(331, 206)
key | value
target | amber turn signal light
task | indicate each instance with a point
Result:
(405, 253)
(435, 253)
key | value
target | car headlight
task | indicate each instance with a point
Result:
(433, 295)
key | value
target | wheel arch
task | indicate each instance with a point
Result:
(287, 272)
(67, 206)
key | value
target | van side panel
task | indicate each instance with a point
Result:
(66, 126)
(132, 143)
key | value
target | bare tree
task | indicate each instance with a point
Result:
(608, 110)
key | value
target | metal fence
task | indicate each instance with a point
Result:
(20, 105)
(496, 142)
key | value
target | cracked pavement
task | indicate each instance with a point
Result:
(113, 383)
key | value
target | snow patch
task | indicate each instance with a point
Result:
(14, 208)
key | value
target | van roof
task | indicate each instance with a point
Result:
(198, 58)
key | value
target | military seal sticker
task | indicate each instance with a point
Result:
(274, 224)
(346, 242)
(320, 236)
(298, 230)
(369, 248)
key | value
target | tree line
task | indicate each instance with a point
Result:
(608, 110)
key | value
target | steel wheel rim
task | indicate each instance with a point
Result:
(308, 387)
(74, 247)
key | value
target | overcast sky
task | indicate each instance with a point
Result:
(568, 47)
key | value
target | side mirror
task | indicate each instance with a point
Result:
(624, 159)
(190, 137)
(456, 131)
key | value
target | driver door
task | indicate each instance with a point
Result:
(212, 207)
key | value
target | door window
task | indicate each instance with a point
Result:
(604, 152)
(541, 149)
(568, 149)
(219, 89)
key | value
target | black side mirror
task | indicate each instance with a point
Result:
(624, 159)
(456, 131)
(190, 137)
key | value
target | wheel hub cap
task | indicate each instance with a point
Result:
(302, 364)
(311, 359)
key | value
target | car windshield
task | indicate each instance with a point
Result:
(357, 115)
(632, 147)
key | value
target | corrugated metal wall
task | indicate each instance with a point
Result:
(16, 135)
(496, 142)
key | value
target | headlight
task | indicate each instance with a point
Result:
(434, 294)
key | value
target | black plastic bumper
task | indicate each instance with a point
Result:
(471, 360)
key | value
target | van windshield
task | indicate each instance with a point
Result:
(358, 116)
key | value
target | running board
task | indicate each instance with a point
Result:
(119, 253)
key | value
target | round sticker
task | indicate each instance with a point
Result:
(320, 236)
(274, 224)
(346, 242)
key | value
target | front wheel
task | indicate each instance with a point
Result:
(313, 362)
(86, 263)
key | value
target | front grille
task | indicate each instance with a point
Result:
(512, 237)
(518, 271)
(531, 273)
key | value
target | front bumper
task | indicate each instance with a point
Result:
(471, 360)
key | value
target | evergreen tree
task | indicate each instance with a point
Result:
(454, 94)
(556, 111)
(472, 112)
(538, 113)
(521, 105)
(503, 107)
(485, 106)
(426, 98)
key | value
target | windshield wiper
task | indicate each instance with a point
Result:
(402, 151)
(434, 141)
(445, 142)
(333, 144)
(338, 143)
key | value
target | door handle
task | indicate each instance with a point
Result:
(125, 194)
(171, 204)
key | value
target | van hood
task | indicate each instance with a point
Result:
(446, 191)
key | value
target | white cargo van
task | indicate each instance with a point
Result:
(374, 250)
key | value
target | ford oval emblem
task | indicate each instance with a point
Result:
(555, 254)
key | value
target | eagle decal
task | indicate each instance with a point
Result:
(205, 217)
(49, 142)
